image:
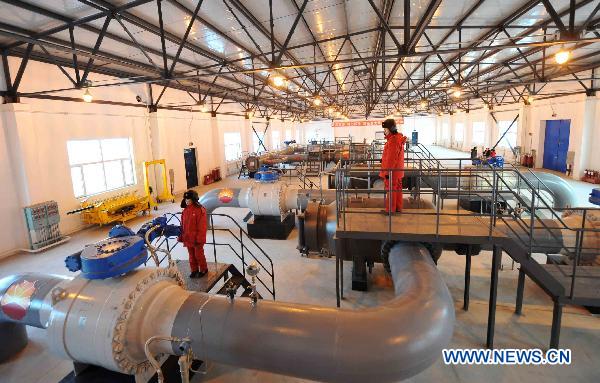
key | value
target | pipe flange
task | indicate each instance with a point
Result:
(126, 362)
(112, 247)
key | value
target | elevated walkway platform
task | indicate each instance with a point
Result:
(421, 225)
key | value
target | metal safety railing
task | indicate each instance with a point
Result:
(504, 194)
(245, 254)
(242, 251)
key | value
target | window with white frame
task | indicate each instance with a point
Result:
(288, 134)
(459, 133)
(445, 131)
(478, 133)
(510, 138)
(275, 138)
(100, 165)
(233, 146)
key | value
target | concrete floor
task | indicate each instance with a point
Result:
(312, 281)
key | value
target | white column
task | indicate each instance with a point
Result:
(588, 135)
(219, 148)
(468, 138)
(491, 131)
(14, 191)
(25, 165)
(525, 128)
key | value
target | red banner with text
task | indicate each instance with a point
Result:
(338, 124)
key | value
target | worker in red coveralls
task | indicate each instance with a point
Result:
(193, 232)
(393, 158)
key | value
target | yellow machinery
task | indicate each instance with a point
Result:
(166, 194)
(119, 208)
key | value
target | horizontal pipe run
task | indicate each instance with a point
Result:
(391, 342)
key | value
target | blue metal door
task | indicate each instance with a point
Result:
(556, 144)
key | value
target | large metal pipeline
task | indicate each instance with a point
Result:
(562, 193)
(273, 199)
(25, 301)
(391, 342)
(107, 323)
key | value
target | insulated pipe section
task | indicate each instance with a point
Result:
(388, 343)
(562, 192)
(25, 300)
(222, 197)
(108, 322)
(272, 199)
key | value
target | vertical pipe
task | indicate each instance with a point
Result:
(467, 278)
(496, 258)
(520, 290)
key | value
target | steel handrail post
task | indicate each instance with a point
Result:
(437, 205)
(578, 247)
(531, 224)
(212, 228)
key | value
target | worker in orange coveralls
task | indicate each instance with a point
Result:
(193, 232)
(393, 158)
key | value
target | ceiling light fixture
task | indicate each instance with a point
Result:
(203, 106)
(87, 96)
(456, 93)
(317, 101)
(424, 103)
(278, 81)
(562, 56)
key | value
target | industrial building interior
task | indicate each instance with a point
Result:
(325, 262)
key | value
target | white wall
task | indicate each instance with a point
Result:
(583, 112)
(33, 134)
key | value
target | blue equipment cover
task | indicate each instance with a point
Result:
(120, 231)
(266, 176)
(112, 257)
(595, 197)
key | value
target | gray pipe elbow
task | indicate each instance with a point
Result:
(562, 193)
(221, 197)
(388, 343)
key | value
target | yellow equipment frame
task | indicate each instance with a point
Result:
(166, 193)
(118, 208)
